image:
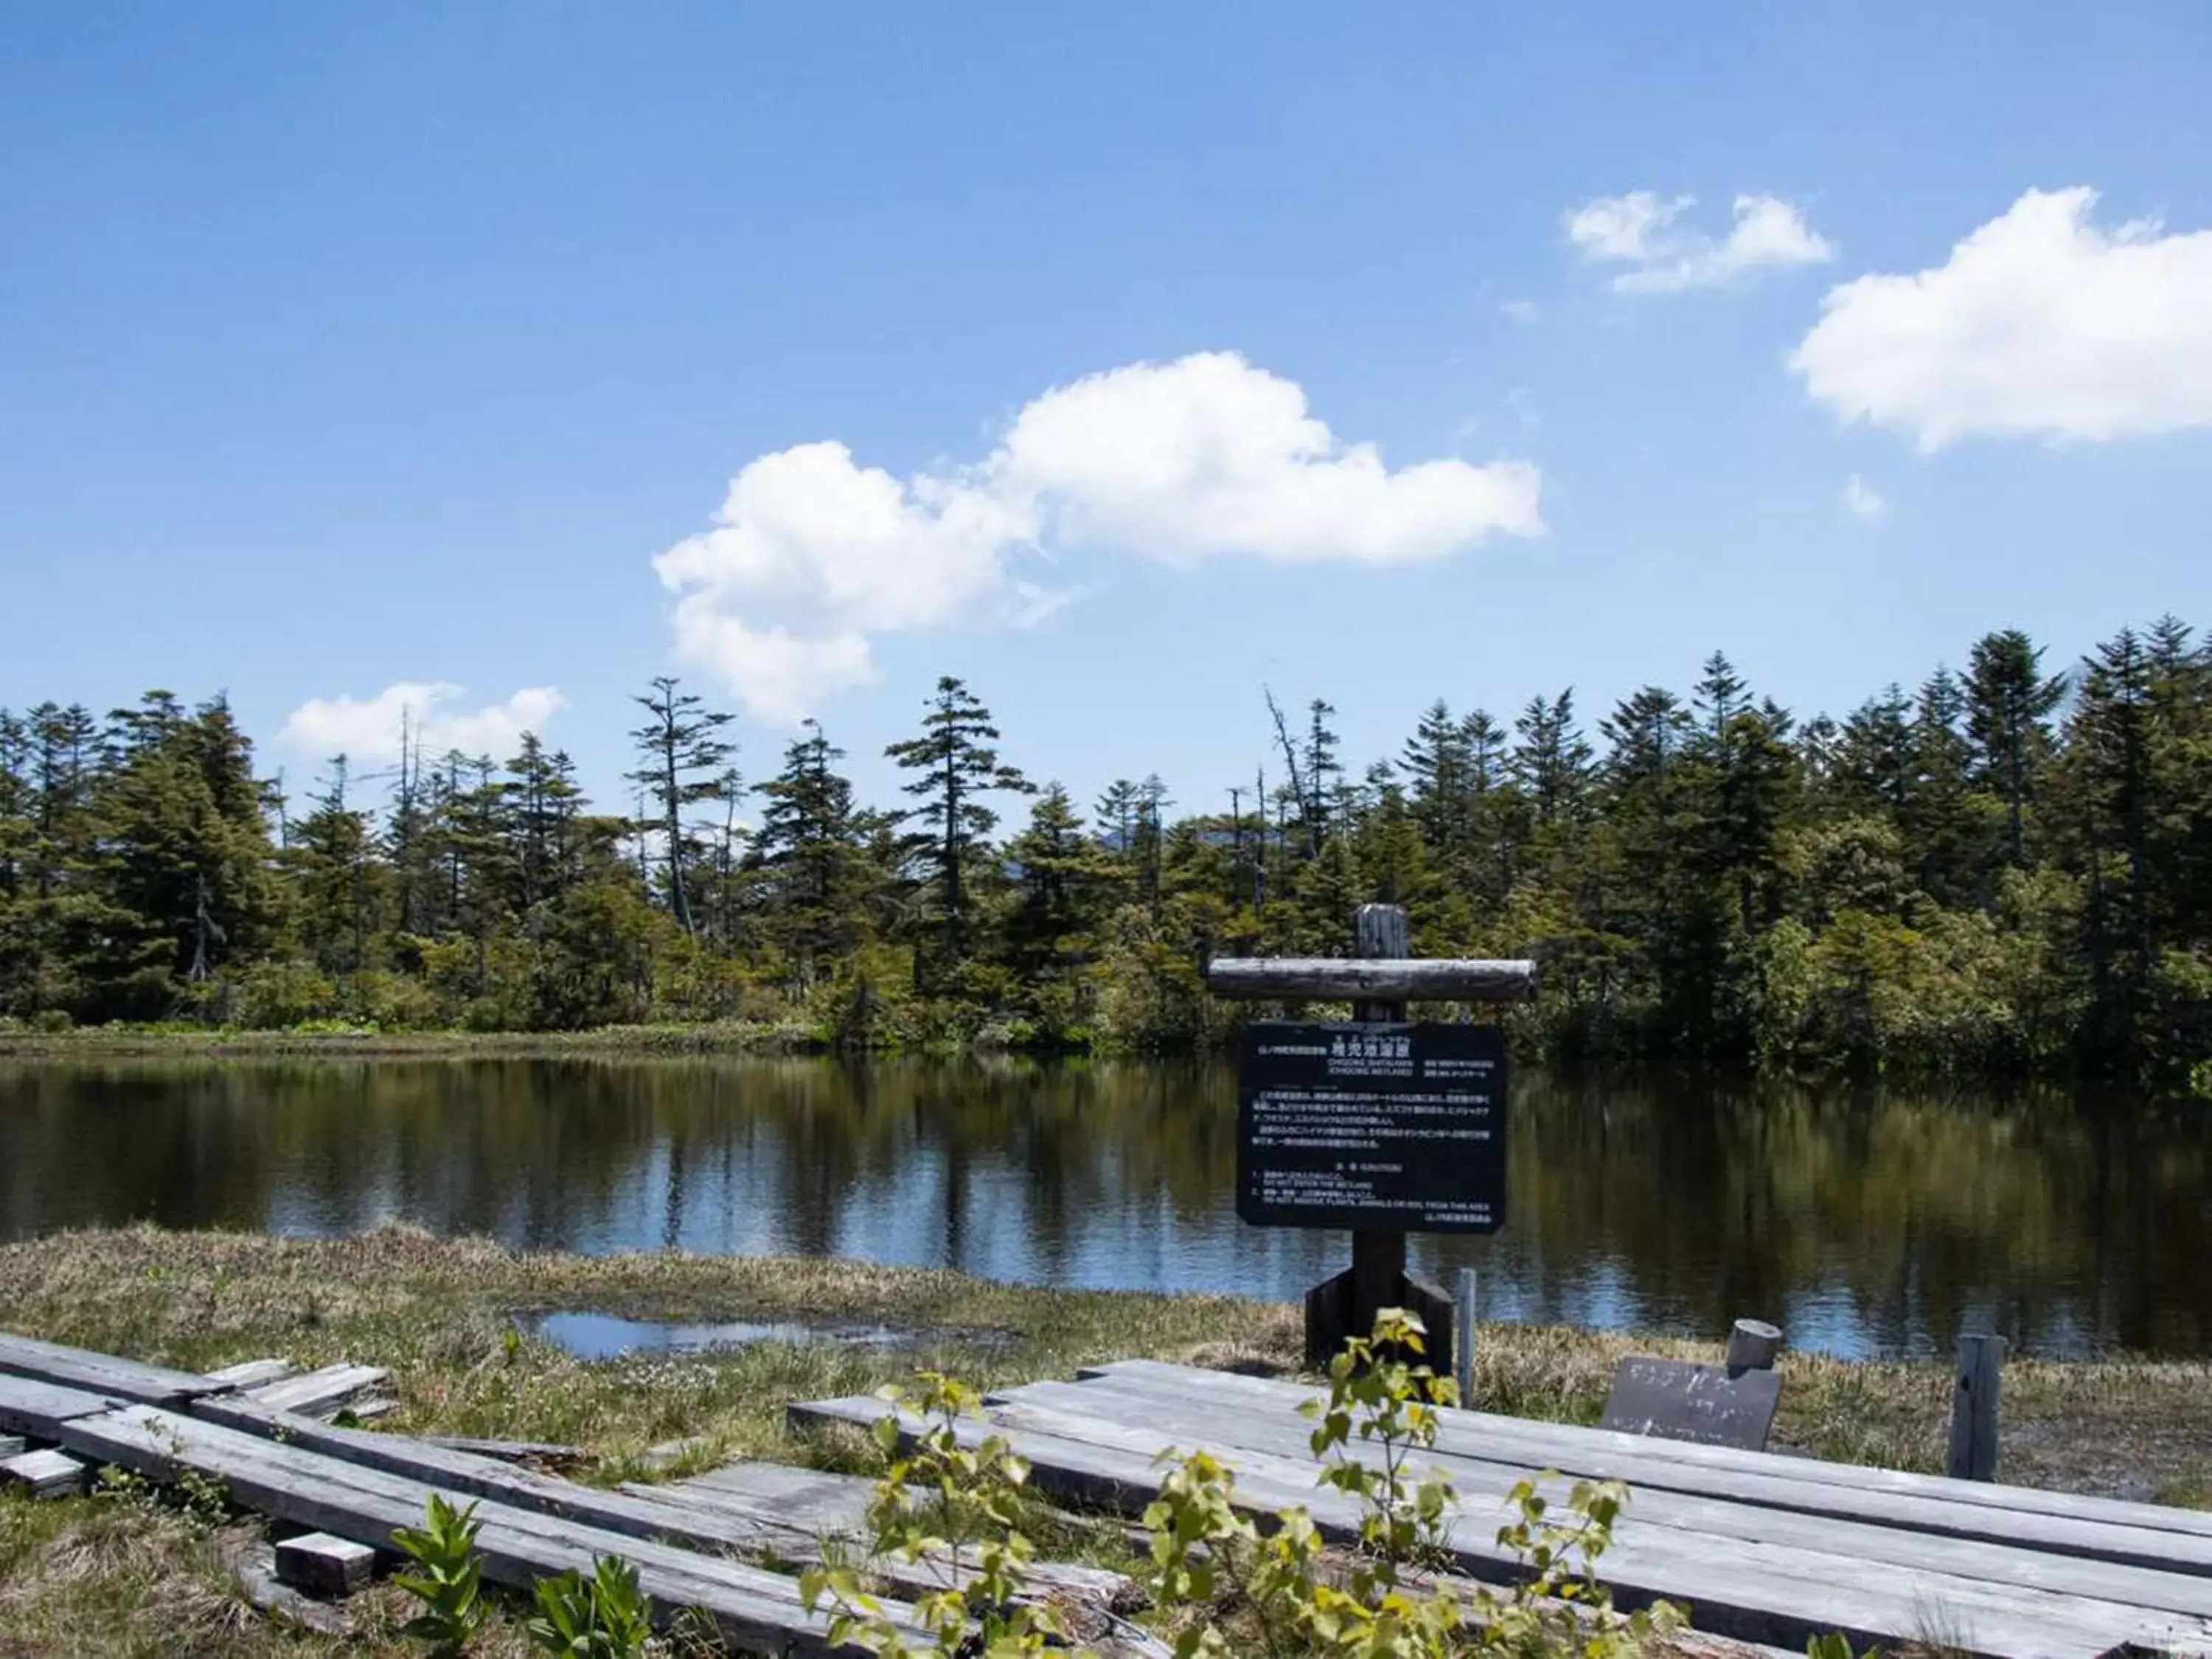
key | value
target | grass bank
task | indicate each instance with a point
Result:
(101, 1575)
(184, 1043)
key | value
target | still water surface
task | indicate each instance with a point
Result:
(1864, 1222)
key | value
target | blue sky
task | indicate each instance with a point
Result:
(343, 349)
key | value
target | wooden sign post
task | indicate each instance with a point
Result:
(1379, 1126)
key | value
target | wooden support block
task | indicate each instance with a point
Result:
(46, 1473)
(323, 1564)
(253, 1567)
(1753, 1345)
(13, 1445)
(1974, 1407)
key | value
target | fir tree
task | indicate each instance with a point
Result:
(956, 766)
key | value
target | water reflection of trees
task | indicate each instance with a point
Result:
(1881, 1218)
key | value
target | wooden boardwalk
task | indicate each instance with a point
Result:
(361, 1486)
(1758, 1547)
(695, 1543)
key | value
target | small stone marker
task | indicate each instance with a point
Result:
(324, 1565)
(1675, 1399)
(46, 1473)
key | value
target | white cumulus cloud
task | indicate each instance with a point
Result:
(370, 729)
(812, 553)
(1862, 500)
(1644, 231)
(2040, 324)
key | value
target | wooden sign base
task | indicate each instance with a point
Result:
(1344, 1306)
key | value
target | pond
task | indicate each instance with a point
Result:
(1864, 1222)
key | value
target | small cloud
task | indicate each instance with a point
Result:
(2038, 325)
(1520, 311)
(371, 728)
(1862, 500)
(1642, 230)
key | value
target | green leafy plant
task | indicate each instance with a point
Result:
(606, 1616)
(1835, 1645)
(204, 1499)
(118, 1485)
(1234, 1583)
(449, 1581)
(963, 1531)
(1270, 1582)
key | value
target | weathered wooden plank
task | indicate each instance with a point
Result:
(252, 1373)
(318, 1393)
(1486, 1484)
(1333, 979)
(1804, 1482)
(45, 1473)
(38, 1409)
(640, 1513)
(772, 1512)
(13, 1445)
(324, 1565)
(1066, 1583)
(99, 1373)
(1749, 1590)
(754, 1609)
(509, 1451)
(814, 1499)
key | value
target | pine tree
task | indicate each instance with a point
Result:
(2009, 709)
(333, 876)
(546, 803)
(1440, 773)
(1941, 818)
(1551, 761)
(1875, 769)
(807, 849)
(684, 762)
(956, 767)
(1064, 878)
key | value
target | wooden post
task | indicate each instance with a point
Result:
(1463, 1367)
(1974, 1407)
(1344, 1307)
(1753, 1345)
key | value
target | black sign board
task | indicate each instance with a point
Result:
(1674, 1400)
(1390, 1128)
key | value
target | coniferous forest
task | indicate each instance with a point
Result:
(2006, 869)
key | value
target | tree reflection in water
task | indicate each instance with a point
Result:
(1863, 1221)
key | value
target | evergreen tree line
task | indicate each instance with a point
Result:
(2006, 869)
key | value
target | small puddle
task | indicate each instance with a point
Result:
(605, 1336)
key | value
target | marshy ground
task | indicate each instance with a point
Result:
(452, 1320)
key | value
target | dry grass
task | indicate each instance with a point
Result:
(97, 1576)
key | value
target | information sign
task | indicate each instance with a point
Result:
(1390, 1127)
